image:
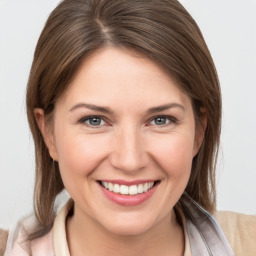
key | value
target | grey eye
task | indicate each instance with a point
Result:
(160, 120)
(95, 121)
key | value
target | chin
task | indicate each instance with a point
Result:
(128, 230)
(129, 226)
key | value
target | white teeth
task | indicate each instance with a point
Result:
(128, 190)
(110, 186)
(124, 190)
(133, 190)
(140, 188)
(116, 188)
(145, 188)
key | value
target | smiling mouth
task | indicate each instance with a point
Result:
(128, 190)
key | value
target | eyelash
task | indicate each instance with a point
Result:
(172, 120)
(87, 118)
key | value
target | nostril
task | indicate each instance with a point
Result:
(128, 152)
(129, 162)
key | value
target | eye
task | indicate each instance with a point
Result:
(162, 120)
(94, 121)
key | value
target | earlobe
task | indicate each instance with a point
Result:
(46, 132)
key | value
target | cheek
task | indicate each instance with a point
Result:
(79, 155)
(175, 155)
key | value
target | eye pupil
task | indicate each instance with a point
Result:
(160, 120)
(95, 121)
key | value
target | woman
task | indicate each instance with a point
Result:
(124, 105)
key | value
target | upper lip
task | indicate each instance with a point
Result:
(129, 183)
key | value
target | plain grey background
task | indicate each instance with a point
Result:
(229, 28)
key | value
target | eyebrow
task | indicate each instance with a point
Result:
(102, 109)
(165, 107)
(107, 110)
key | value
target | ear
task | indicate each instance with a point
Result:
(46, 132)
(200, 130)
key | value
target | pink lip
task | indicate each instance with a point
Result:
(128, 200)
(128, 183)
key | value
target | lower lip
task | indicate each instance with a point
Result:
(128, 200)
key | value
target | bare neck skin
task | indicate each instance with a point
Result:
(86, 237)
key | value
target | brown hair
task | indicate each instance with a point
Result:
(161, 30)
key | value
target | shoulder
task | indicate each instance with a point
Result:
(240, 230)
(18, 242)
(3, 240)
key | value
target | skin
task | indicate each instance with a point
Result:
(128, 143)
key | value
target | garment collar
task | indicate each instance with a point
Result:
(203, 235)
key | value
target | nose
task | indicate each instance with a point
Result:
(129, 151)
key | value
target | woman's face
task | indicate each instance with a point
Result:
(123, 125)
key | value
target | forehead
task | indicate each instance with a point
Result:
(113, 75)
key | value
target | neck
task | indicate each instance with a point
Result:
(85, 237)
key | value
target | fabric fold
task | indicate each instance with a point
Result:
(205, 235)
